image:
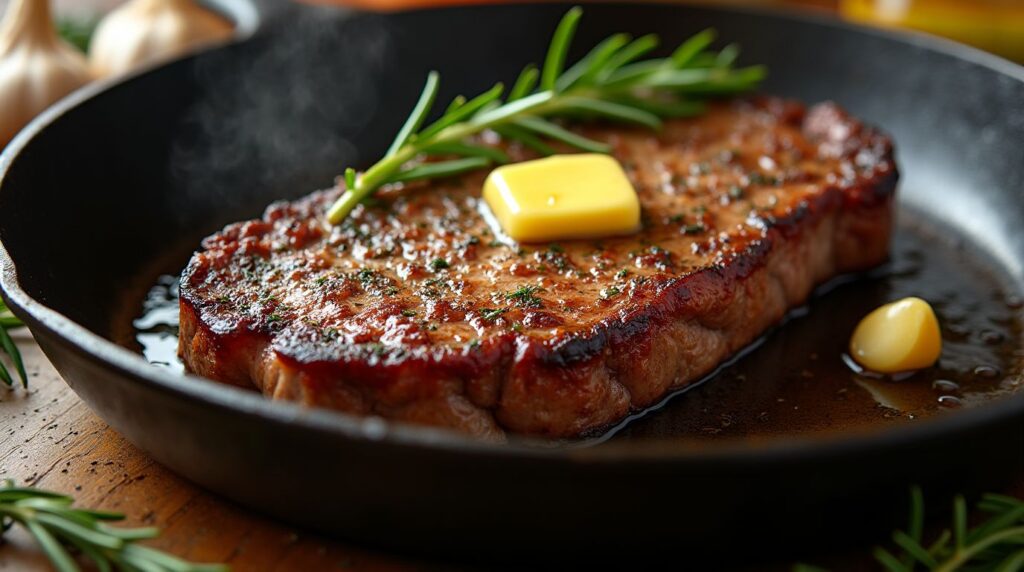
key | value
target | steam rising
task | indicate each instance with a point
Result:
(278, 122)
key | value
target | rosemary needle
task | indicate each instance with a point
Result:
(611, 82)
(996, 544)
(63, 531)
(9, 321)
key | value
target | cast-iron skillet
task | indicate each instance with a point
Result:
(101, 190)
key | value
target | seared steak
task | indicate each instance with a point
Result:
(413, 310)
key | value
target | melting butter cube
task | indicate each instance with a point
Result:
(563, 197)
(901, 336)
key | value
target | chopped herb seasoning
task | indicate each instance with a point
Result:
(757, 178)
(702, 168)
(438, 264)
(555, 247)
(554, 256)
(408, 313)
(694, 228)
(736, 192)
(525, 297)
(610, 292)
(491, 314)
(622, 273)
(366, 275)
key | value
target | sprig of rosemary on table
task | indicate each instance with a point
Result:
(8, 321)
(61, 530)
(996, 544)
(611, 82)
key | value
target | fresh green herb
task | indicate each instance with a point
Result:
(9, 321)
(366, 275)
(696, 228)
(438, 264)
(610, 82)
(622, 273)
(995, 544)
(525, 297)
(758, 178)
(491, 314)
(408, 313)
(61, 530)
(77, 32)
(610, 292)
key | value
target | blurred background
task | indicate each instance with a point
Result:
(993, 25)
(106, 38)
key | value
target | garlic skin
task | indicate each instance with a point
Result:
(143, 32)
(37, 67)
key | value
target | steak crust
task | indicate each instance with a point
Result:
(414, 310)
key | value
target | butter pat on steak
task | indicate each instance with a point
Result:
(412, 310)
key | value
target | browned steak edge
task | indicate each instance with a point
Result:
(579, 384)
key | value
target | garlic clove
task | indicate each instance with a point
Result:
(37, 68)
(143, 32)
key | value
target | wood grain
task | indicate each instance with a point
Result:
(51, 439)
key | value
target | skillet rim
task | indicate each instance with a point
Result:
(199, 391)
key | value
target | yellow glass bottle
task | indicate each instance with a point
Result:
(993, 25)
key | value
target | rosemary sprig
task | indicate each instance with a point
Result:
(61, 530)
(996, 544)
(9, 321)
(611, 82)
(77, 32)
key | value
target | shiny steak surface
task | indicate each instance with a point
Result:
(414, 310)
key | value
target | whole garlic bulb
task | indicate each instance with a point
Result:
(147, 31)
(36, 67)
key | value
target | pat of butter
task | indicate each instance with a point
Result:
(562, 197)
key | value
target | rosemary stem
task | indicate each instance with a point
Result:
(610, 82)
(380, 172)
(964, 555)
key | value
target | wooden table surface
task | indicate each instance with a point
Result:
(51, 439)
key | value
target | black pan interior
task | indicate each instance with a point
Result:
(109, 187)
